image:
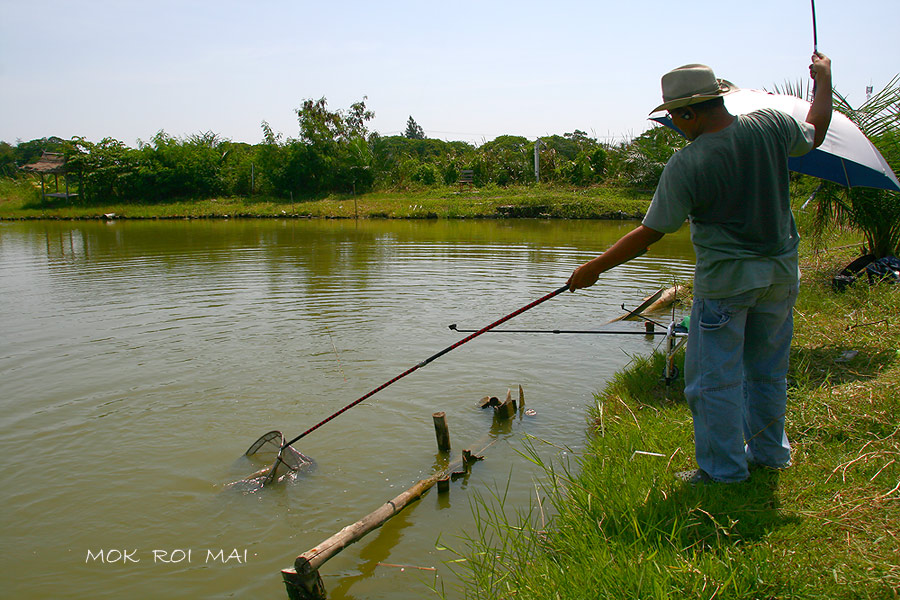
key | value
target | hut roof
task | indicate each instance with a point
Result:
(49, 163)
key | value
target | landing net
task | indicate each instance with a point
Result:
(283, 462)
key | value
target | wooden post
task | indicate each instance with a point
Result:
(441, 431)
(507, 409)
(299, 587)
(521, 399)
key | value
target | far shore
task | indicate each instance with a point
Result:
(537, 201)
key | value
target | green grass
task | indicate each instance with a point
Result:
(827, 528)
(20, 200)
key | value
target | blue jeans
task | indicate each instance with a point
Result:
(735, 373)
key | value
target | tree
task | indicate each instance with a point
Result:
(8, 166)
(876, 213)
(413, 130)
(336, 158)
(640, 162)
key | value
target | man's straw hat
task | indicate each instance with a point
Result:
(691, 84)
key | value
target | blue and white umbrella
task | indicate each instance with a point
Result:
(846, 156)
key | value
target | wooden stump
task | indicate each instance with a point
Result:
(308, 586)
(507, 409)
(441, 431)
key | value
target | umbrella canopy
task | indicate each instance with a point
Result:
(846, 156)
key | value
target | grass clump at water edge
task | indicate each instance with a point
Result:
(623, 527)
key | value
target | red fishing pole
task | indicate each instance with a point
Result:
(430, 359)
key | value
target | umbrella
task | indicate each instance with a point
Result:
(846, 156)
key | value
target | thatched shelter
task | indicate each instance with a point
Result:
(51, 163)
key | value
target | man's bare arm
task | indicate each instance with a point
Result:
(630, 245)
(819, 115)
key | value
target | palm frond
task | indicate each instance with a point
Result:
(879, 114)
(799, 89)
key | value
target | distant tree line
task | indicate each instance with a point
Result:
(334, 152)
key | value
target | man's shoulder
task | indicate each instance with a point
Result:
(773, 117)
(796, 134)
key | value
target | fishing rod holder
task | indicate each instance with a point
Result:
(676, 338)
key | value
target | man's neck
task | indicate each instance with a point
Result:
(714, 121)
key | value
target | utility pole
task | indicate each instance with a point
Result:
(537, 160)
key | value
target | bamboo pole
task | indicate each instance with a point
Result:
(303, 581)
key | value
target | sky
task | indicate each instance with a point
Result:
(464, 70)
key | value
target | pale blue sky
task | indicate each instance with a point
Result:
(469, 70)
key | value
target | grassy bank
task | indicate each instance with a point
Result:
(828, 527)
(19, 200)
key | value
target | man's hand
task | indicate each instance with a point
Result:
(820, 69)
(820, 112)
(584, 276)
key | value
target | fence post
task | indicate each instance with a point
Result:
(441, 431)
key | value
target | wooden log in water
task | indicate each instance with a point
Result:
(489, 401)
(303, 581)
(507, 409)
(469, 459)
(312, 559)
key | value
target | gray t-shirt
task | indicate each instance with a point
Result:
(733, 185)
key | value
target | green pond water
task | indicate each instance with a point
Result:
(139, 360)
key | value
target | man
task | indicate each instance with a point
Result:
(731, 182)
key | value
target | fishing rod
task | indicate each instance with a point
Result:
(631, 314)
(815, 36)
(453, 327)
(278, 459)
(431, 358)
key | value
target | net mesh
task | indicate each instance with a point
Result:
(282, 462)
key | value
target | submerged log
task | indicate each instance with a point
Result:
(470, 459)
(489, 401)
(507, 409)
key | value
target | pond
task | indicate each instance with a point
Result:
(139, 360)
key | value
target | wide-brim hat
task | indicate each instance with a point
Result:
(691, 84)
